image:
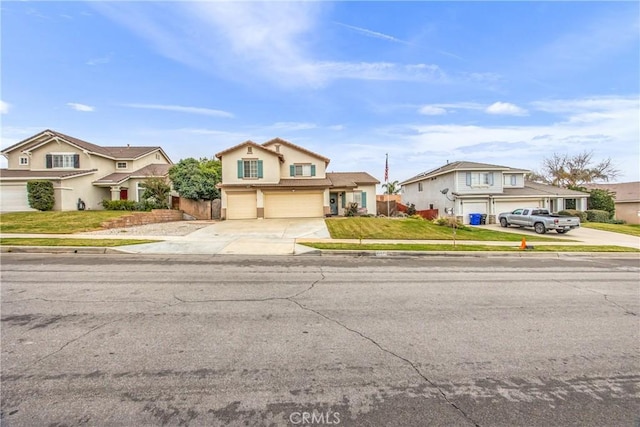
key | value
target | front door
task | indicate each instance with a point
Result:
(333, 203)
(124, 194)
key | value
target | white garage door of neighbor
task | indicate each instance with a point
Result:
(293, 205)
(472, 207)
(511, 206)
(13, 198)
(242, 206)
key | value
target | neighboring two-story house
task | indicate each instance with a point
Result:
(279, 179)
(79, 170)
(470, 187)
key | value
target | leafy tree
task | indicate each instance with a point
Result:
(567, 171)
(41, 195)
(196, 179)
(392, 187)
(603, 200)
(156, 191)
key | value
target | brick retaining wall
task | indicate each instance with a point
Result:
(142, 218)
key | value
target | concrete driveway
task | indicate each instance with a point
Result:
(588, 236)
(247, 237)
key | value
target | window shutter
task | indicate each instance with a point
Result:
(292, 170)
(313, 170)
(491, 178)
(240, 169)
(260, 169)
(469, 179)
(344, 200)
(364, 199)
(49, 159)
(76, 161)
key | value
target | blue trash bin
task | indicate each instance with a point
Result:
(474, 218)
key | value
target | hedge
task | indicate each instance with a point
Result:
(40, 195)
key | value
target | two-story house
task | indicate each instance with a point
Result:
(279, 179)
(470, 187)
(79, 170)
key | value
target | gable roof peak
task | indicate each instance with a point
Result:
(281, 141)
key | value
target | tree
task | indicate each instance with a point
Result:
(40, 195)
(392, 187)
(196, 179)
(567, 171)
(602, 200)
(156, 192)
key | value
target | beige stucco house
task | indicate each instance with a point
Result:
(279, 179)
(626, 196)
(79, 170)
(481, 188)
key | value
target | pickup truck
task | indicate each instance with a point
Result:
(540, 219)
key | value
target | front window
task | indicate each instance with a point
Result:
(357, 198)
(121, 165)
(63, 160)
(250, 169)
(479, 179)
(302, 170)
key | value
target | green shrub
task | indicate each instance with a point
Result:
(596, 215)
(411, 209)
(119, 205)
(351, 209)
(617, 221)
(572, 212)
(449, 221)
(41, 195)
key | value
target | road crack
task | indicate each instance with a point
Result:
(605, 296)
(397, 356)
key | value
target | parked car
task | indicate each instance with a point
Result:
(540, 219)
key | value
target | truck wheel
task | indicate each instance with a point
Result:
(540, 228)
(503, 222)
(561, 231)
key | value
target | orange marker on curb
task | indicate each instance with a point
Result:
(523, 244)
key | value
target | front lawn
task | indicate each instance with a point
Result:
(55, 222)
(416, 229)
(631, 229)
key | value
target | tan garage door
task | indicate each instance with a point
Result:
(294, 205)
(242, 206)
(469, 207)
(13, 198)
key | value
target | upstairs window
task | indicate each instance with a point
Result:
(303, 170)
(121, 165)
(479, 179)
(24, 160)
(510, 179)
(420, 188)
(63, 161)
(250, 169)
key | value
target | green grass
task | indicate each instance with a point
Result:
(416, 229)
(102, 243)
(462, 248)
(631, 229)
(55, 222)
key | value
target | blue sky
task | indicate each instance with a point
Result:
(508, 83)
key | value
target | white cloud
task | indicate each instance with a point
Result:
(371, 33)
(506, 108)
(337, 127)
(432, 110)
(4, 107)
(292, 126)
(182, 109)
(80, 107)
(100, 60)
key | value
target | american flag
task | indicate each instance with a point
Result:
(386, 169)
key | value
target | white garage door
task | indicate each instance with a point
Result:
(294, 205)
(511, 205)
(242, 206)
(472, 207)
(13, 198)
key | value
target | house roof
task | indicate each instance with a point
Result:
(351, 179)
(24, 174)
(456, 166)
(534, 189)
(248, 143)
(279, 141)
(116, 153)
(624, 192)
(152, 170)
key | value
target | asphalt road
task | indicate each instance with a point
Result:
(378, 341)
